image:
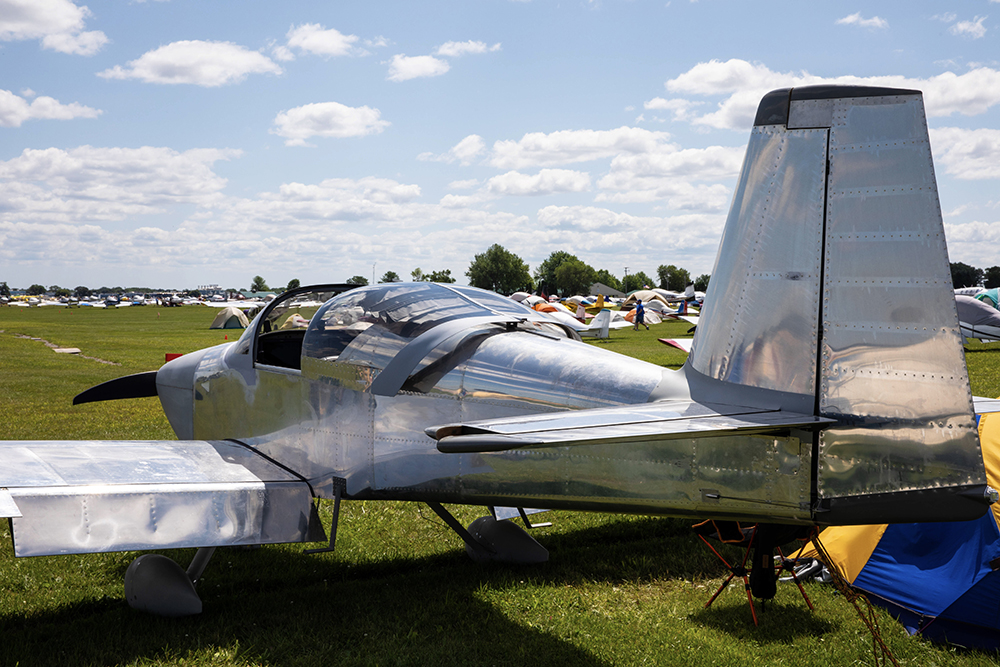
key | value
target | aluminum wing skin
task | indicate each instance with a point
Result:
(649, 422)
(66, 497)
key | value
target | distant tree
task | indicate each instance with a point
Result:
(293, 284)
(59, 291)
(357, 280)
(963, 275)
(545, 274)
(575, 277)
(991, 277)
(4, 290)
(35, 290)
(440, 276)
(499, 270)
(259, 285)
(635, 281)
(389, 277)
(673, 278)
(604, 276)
(195, 293)
(701, 282)
(417, 276)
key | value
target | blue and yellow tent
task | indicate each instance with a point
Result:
(940, 580)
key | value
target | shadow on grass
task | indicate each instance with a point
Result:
(279, 606)
(779, 622)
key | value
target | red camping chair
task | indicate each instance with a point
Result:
(761, 578)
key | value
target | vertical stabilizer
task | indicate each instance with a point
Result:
(832, 285)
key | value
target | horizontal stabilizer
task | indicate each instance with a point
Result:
(984, 406)
(94, 496)
(666, 420)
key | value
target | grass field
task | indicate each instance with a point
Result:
(399, 590)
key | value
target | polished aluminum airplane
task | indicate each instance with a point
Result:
(826, 385)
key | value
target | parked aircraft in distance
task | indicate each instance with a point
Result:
(822, 388)
(977, 319)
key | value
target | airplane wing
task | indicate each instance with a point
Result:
(619, 425)
(680, 343)
(67, 497)
(691, 319)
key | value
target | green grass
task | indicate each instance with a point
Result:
(399, 590)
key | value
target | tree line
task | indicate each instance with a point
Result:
(565, 274)
(963, 275)
(497, 269)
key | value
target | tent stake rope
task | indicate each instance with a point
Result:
(880, 651)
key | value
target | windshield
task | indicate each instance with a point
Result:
(386, 317)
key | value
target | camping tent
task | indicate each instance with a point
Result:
(646, 295)
(990, 296)
(230, 318)
(941, 580)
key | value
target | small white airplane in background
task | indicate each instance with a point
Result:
(977, 319)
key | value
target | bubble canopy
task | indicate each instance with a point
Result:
(368, 325)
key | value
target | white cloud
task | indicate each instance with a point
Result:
(91, 184)
(207, 64)
(68, 212)
(464, 151)
(316, 39)
(744, 84)
(600, 230)
(15, 110)
(58, 23)
(570, 146)
(545, 182)
(967, 154)
(467, 184)
(338, 191)
(947, 17)
(973, 29)
(282, 53)
(671, 175)
(682, 109)
(975, 242)
(457, 49)
(327, 119)
(404, 68)
(856, 19)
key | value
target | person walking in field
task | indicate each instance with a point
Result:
(640, 316)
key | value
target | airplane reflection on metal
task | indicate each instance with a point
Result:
(826, 385)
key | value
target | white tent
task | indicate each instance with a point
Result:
(230, 318)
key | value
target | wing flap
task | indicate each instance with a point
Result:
(626, 424)
(87, 496)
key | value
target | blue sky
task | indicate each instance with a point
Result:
(175, 144)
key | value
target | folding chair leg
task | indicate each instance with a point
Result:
(797, 582)
(753, 612)
(719, 591)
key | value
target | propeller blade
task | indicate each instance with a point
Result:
(138, 385)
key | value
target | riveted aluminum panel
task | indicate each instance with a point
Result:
(86, 497)
(727, 476)
(810, 113)
(759, 326)
(893, 368)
